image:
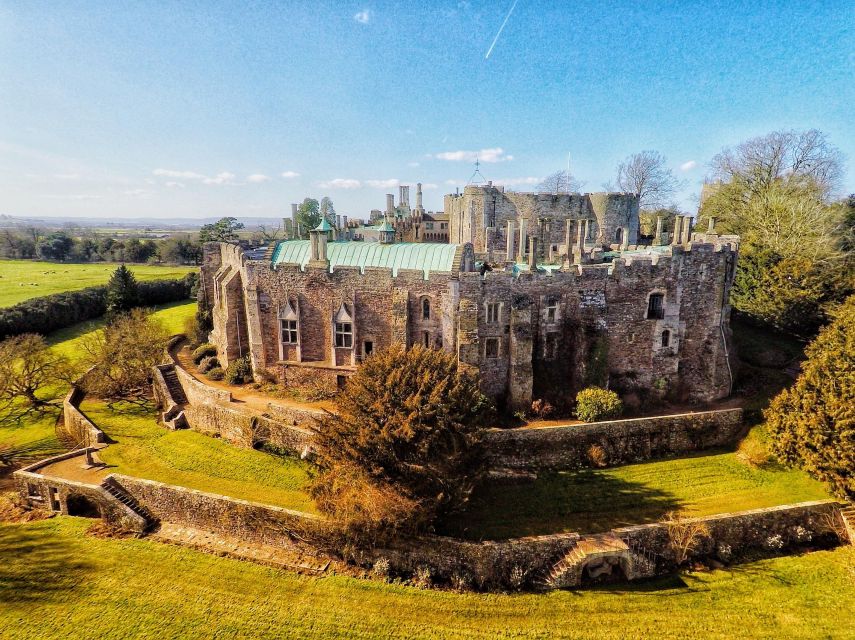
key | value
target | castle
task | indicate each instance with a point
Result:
(539, 294)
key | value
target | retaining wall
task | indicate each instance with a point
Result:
(246, 520)
(76, 423)
(51, 493)
(623, 441)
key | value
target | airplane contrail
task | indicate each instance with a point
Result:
(507, 17)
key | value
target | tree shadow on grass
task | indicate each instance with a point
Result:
(38, 566)
(586, 501)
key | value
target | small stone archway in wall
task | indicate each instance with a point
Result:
(607, 568)
(79, 505)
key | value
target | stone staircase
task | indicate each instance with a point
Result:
(597, 553)
(847, 514)
(173, 384)
(119, 494)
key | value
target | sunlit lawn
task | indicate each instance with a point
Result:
(601, 499)
(24, 279)
(145, 449)
(57, 583)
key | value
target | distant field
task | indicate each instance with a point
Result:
(57, 582)
(23, 279)
(595, 500)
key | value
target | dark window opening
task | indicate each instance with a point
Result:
(33, 491)
(550, 346)
(289, 331)
(426, 337)
(656, 306)
(426, 309)
(367, 348)
(340, 381)
(343, 335)
(666, 338)
(491, 348)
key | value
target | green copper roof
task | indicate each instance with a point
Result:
(323, 226)
(424, 256)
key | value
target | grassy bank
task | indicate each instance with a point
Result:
(56, 582)
(24, 279)
(600, 499)
(145, 449)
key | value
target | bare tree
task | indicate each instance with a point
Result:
(790, 155)
(560, 182)
(647, 175)
(269, 235)
(29, 372)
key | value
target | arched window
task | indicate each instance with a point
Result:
(666, 338)
(425, 309)
(618, 235)
(656, 306)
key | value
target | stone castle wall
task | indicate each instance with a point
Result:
(76, 424)
(623, 441)
(554, 333)
(480, 215)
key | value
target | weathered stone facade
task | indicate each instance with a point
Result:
(499, 222)
(648, 321)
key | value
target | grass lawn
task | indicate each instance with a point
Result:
(36, 433)
(45, 278)
(597, 500)
(57, 582)
(189, 459)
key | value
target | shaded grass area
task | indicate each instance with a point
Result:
(24, 279)
(34, 436)
(55, 582)
(144, 449)
(596, 500)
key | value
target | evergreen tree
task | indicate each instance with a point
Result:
(812, 423)
(122, 292)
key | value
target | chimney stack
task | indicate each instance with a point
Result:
(532, 253)
(510, 241)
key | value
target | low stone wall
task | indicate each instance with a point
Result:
(622, 441)
(774, 530)
(75, 422)
(234, 426)
(198, 392)
(486, 566)
(245, 520)
(52, 494)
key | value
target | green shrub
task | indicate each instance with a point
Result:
(206, 350)
(239, 371)
(594, 404)
(216, 373)
(208, 363)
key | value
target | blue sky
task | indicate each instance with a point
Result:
(167, 109)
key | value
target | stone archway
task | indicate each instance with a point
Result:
(79, 505)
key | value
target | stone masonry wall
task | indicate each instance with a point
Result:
(248, 521)
(76, 424)
(624, 441)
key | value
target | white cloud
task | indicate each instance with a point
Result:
(413, 164)
(290, 174)
(363, 17)
(341, 183)
(257, 178)
(495, 154)
(430, 185)
(383, 184)
(452, 182)
(223, 177)
(688, 166)
(171, 173)
(172, 184)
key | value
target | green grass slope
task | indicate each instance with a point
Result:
(24, 279)
(56, 582)
(600, 499)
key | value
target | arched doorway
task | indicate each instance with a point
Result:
(78, 505)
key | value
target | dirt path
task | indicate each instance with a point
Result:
(74, 469)
(244, 395)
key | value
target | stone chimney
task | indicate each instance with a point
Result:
(532, 253)
(676, 235)
(523, 239)
(687, 230)
(510, 241)
(711, 225)
(294, 225)
(657, 237)
(345, 228)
